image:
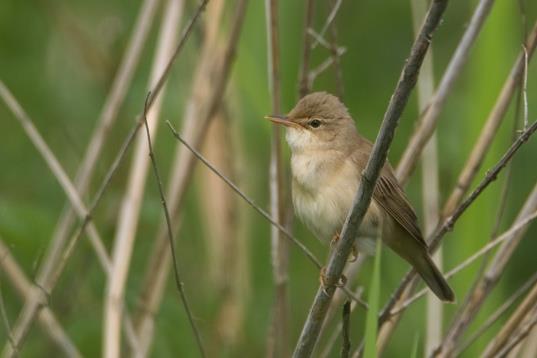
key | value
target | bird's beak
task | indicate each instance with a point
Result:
(283, 120)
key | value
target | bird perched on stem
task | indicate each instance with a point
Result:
(328, 156)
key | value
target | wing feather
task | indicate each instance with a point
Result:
(389, 195)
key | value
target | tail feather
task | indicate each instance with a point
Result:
(434, 278)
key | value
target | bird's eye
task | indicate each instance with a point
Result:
(315, 123)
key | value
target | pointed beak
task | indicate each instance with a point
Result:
(283, 120)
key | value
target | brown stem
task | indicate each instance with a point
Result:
(304, 86)
(178, 282)
(279, 346)
(427, 125)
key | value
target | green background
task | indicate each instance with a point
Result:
(59, 58)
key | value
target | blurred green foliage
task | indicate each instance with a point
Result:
(59, 58)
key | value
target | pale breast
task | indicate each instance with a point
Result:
(323, 194)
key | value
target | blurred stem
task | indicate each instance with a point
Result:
(497, 314)
(47, 275)
(178, 282)
(278, 345)
(487, 283)
(33, 306)
(340, 89)
(491, 126)
(403, 291)
(529, 322)
(108, 116)
(215, 63)
(128, 217)
(428, 123)
(304, 82)
(512, 324)
(430, 182)
(24, 288)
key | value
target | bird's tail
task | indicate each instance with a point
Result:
(433, 277)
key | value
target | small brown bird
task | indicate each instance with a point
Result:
(327, 159)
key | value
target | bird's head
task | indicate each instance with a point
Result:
(318, 121)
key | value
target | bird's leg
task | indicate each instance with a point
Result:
(334, 240)
(354, 253)
(324, 284)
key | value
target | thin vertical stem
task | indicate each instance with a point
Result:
(107, 117)
(278, 345)
(304, 86)
(178, 282)
(430, 183)
(132, 200)
(427, 125)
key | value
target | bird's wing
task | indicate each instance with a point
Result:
(390, 196)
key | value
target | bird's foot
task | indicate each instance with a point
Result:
(354, 254)
(324, 281)
(334, 240)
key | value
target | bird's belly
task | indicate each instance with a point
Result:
(325, 209)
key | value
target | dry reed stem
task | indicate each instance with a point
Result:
(499, 108)
(338, 72)
(304, 85)
(515, 228)
(48, 275)
(338, 258)
(58, 172)
(132, 200)
(491, 127)
(50, 325)
(514, 322)
(323, 66)
(448, 223)
(52, 274)
(521, 334)
(487, 283)
(493, 318)
(23, 325)
(107, 117)
(114, 99)
(428, 123)
(278, 343)
(32, 307)
(430, 182)
(336, 4)
(225, 246)
(219, 207)
(217, 202)
(195, 124)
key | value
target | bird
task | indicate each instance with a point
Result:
(328, 156)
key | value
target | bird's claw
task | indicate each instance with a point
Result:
(354, 254)
(334, 239)
(324, 284)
